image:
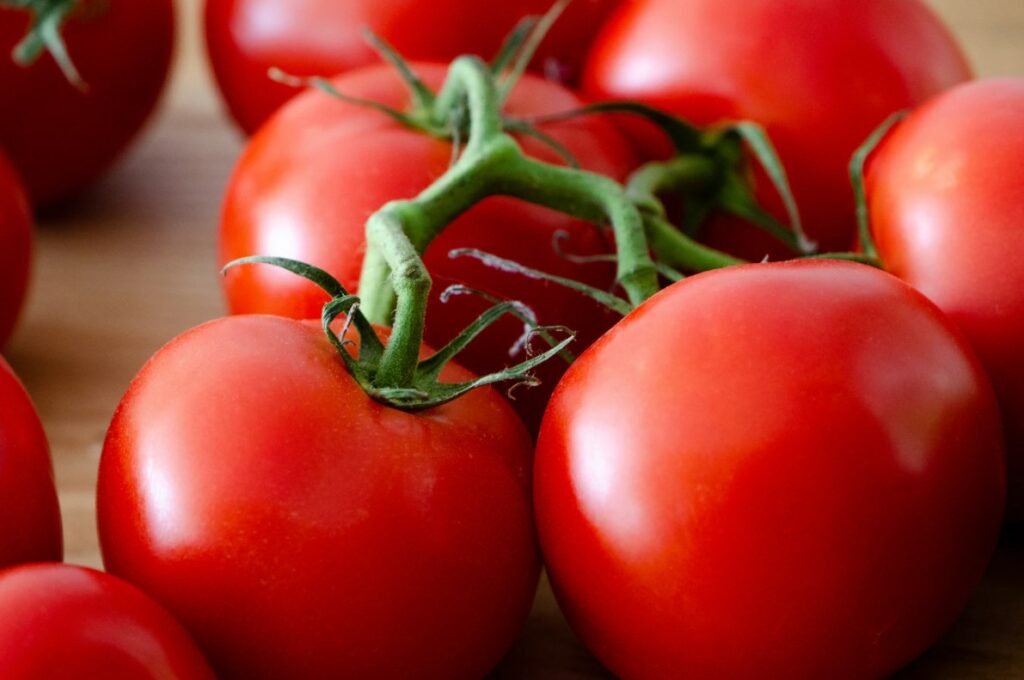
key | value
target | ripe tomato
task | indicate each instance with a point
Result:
(61, 138)
(75, 623)
(309, 180)
(819, 75)
(300, 529)
(781, 471)
(325, 37)
(944, 193)
(30, 528)
(15, 247)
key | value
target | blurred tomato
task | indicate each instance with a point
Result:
(325, 38)
(30, 527)
(59, 137)
(75, 623)
(15, 247)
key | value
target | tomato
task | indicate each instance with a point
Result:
(15, 247)
(300, 529)
(30, 527)
(819, 75)
(59, 137)
(944, 193)
(75, 623)
(785, 471)
(325, 37)
(309, 180)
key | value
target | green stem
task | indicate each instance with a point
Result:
(591, 197)
(493, 164)
(679, 251)
(48, 16)
(690, 173)
(411, 284)
(470, 79)
(857, 166)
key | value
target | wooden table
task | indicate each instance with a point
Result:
(131, 264)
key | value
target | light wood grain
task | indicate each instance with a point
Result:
(132, 264)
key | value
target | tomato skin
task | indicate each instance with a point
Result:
(300, 529)
(790, 470)
(59, 138)
(30, 526)
(15, 247)
(245, 38)
(819, 75)
(309, 180)
(944, 193)
(74, 623)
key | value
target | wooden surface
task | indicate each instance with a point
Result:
(131, 264)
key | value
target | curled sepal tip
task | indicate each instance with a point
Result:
(363, 362)
(612, 302)
(518, 309)
(370, 345)
(519, 374)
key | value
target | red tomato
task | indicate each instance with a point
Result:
(75, 623)
(310, 179)
(30, 528)
(300, 529)
(947, 212)
(772, 471)
(15, 247)
(59, 137)
(325, 37)
(819, 75)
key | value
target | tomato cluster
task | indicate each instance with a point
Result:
(791, 469)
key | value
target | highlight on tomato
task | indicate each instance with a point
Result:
(75, 97)
(245, 38)
(785, 470)
(30, 525)
(15, 247)
(75, 623)
(819, 76)
(946, 209)
(300, 528)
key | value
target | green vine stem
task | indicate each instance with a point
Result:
(492, 163)
(48, 16)
(857, 166)
(394, 285)
(689, 174)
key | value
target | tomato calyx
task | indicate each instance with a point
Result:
(440, 121)
(393, 373)
(709, 169)
(44, 35)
